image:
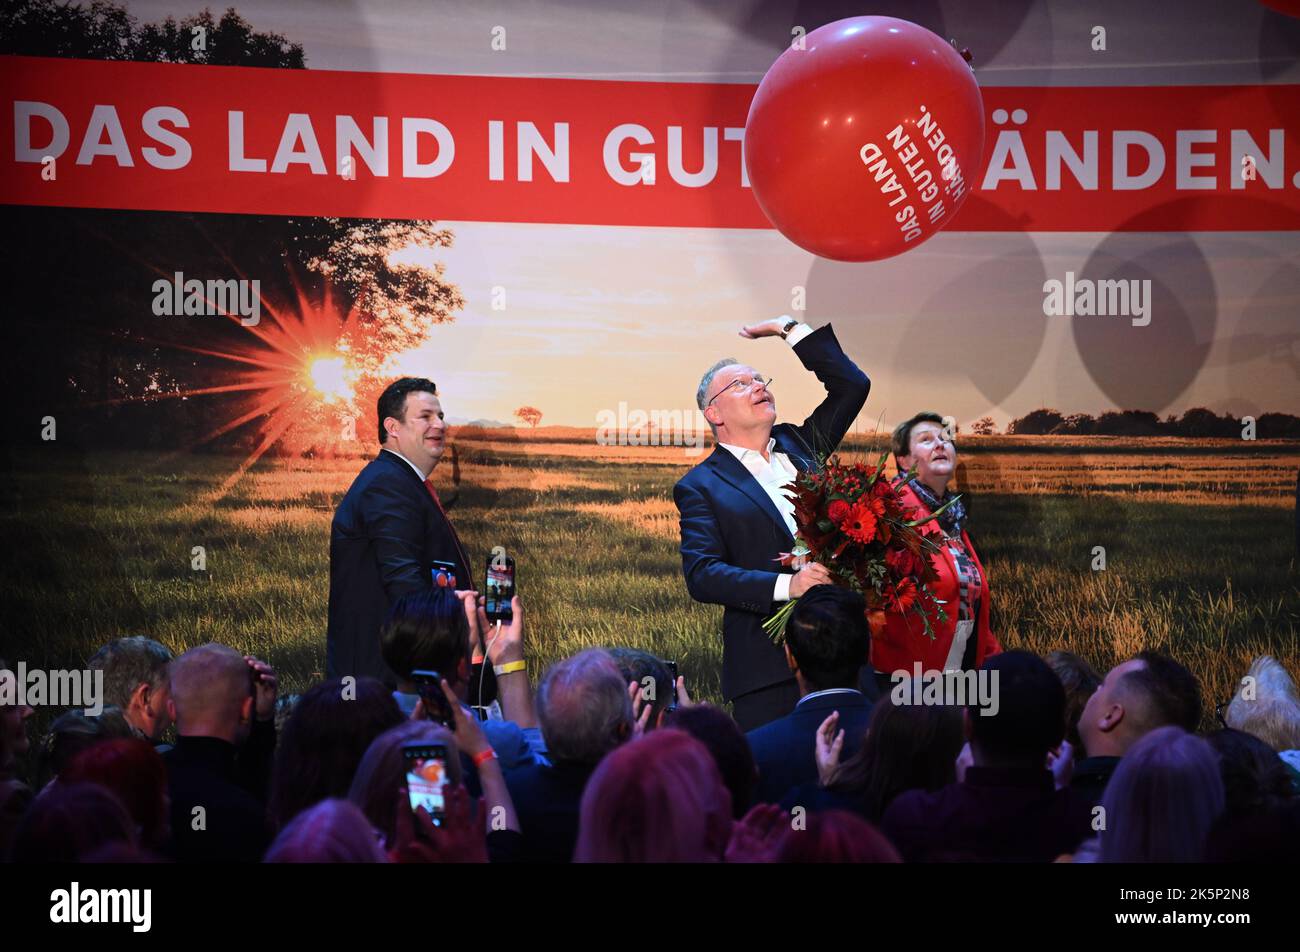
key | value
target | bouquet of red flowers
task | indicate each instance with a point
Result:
(852, 520)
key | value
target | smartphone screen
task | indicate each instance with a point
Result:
(444, 575)
(500, 588)
(426, 775)
(672, 685)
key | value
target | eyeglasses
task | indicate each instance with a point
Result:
(744, 385)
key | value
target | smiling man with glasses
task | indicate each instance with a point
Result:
(735, 517)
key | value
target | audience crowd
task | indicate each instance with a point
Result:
(198, 758)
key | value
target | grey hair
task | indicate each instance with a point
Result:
(1273, 712)
(584, 708)
(128, 663)
(702, 393)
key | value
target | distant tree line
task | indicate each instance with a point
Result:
(1196, 422)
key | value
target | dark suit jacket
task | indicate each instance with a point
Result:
(732, 533)
(548, 799)
(386, 535)
(785, 750)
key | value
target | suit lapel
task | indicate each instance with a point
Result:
(733, 471)
(792, 445)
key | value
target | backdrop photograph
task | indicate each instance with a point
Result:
(673, 431)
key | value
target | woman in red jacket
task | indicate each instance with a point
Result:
(963, 640)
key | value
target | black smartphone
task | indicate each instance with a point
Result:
(500, 587)
(672, 686)
(444, 575)
(427, 683)
(426, 775)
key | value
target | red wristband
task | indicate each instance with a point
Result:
(483, 757)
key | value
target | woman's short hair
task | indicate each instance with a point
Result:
(332, 831)
(382, 771)
(657, 799)
(1162, 800)
(901, 441)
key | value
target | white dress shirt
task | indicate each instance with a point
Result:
(775, 474)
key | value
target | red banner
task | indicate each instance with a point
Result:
(469, 148)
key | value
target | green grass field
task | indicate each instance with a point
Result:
(1200, 551)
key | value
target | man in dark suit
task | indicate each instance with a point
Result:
(735, 518)
(826, 643)
(389, 530)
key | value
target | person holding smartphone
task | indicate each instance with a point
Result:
(428, 637)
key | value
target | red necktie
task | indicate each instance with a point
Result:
(461, 583)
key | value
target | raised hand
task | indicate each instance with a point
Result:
(770, 328)
(829, 743)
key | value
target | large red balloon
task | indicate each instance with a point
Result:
(865, 142)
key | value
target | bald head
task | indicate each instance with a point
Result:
(1135, 698)
(212, 692)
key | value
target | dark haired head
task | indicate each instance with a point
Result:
(324, 739)
(1030, 717)
(828, 636)
(426, 630)
(74, 731)
(907, 747)
(392, 402)
(1080, 680)
(1172, 691)
(67, 821)
(637, 665)
(901, 441)
(1255, 780)
(715, 729)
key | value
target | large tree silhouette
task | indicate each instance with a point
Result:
(84, 277)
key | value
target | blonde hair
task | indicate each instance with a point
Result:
(1273, 712)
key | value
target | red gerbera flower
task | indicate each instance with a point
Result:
(860, 524)
(903, 595)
